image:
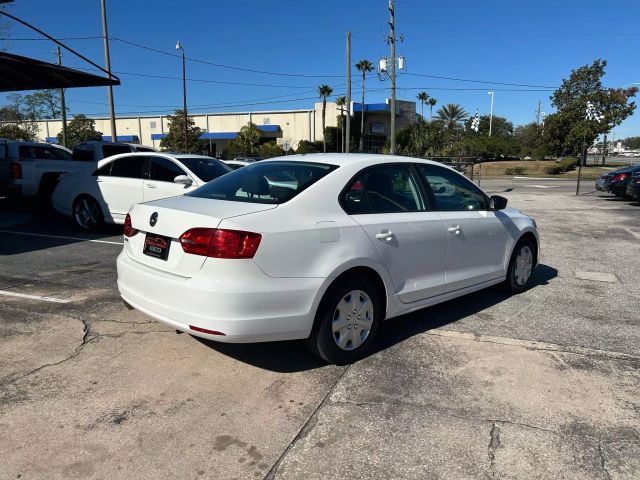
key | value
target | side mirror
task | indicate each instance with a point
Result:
(183, 180)
(498, 202)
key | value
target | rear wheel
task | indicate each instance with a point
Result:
(86, 213)
(347, 321)
(520, 266)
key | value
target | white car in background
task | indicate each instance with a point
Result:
(105, 192)
(236, 164)
(320, 247)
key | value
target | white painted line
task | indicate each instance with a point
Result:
(33, 297)
(61, 237)
(546, 179)
(542, 186)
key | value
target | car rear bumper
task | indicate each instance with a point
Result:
(244, 304)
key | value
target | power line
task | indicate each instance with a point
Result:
(35, 39)
(487, 82)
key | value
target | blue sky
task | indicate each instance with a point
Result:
(533, 42)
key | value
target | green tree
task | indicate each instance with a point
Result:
(529, 139)
(305, 146)
(452, 116)
(80, 129)
(247, 143)
(500, 127)
(422, 139)
(271, 149)
(16, 132)
(174, 141)
(432, 103)
(567, 131)
(632, 143)
(341, 102)
(365, 67)
(323, 92)
(485, 147)
(423, 97)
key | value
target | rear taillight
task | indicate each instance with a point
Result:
(220, 243)
(619, 177)
(128, 230)
(15, 170)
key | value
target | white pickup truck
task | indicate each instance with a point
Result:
(32, 169)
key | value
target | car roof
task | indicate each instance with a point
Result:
(351, 159)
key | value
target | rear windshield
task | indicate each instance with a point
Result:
(264, 182)
(205, 168)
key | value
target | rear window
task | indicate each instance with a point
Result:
(109, 150)
(205, 168)
(268, 182)
(83, 155)
(43, 153)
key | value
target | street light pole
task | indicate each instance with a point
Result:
(107, 61)
(348, 99)
(392, 43)
(63, 105)
(184, 98)
(491, 113)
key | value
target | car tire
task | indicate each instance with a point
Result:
(86, 213)
(347, 321)
(521, 264)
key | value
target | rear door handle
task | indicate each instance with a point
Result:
(455, 229)
(151, 185)
(385, 235)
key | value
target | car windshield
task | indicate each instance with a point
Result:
(205, 168)
(264, 182)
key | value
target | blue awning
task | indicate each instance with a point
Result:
(218, 136)
(158, 136)
(269, 128)
(122, 138)
(51, 140)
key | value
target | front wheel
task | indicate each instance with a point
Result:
(520, 267)
(347, 321)
(86, 213)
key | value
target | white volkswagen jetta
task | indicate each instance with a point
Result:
(320, 247)
(105, 191)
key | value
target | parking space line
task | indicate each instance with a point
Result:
(61, 237)
(34, 297)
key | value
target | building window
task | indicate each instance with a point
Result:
(152, 124)
(377, 128)
(266, 121)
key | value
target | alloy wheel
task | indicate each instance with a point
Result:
(86, 213)
(524, 265)
(352, 320)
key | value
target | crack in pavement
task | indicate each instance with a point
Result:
(306, 428)
(603, 462)
(494, 444)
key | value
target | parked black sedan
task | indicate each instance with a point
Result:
(633, 187)
(617, 183)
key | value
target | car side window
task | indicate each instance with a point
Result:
(451, 191)
(109, 150)
(128, 167)
(164, 170)
(383, 189)
(104, 171)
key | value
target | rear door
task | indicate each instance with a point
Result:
(387, 201)
(477, 237)
(160, 184)
(121, 185)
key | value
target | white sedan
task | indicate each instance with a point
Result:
(320, 247)
(105, 192)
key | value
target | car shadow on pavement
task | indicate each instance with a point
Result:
(293, 356)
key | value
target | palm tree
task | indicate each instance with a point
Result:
(451, 115)
(432, 103)
(365, 67)
(324, 91)
(423, 97)
(341, 102)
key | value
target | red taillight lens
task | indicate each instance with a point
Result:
(220, 243)
(619, 177)
(15, 170)
(128, 230)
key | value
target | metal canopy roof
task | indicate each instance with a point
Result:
(23, 73)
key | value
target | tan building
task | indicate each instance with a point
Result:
(287, 127)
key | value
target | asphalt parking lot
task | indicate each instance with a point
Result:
(545, 384)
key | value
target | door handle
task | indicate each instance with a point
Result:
(455, 229)
(385, 235)
(151, 185)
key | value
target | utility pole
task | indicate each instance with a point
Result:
(184, 98)
(392, 43)
(348, 100)
(491, 113)
(63, 105)
(604, 150)
(538, 112)
(107, 61)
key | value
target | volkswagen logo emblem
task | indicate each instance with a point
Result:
(153, 219)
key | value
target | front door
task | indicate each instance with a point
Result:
(477, 238)
(160, 183)
(387, 202)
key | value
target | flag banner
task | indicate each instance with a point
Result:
(592, 113)
(475, 123)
